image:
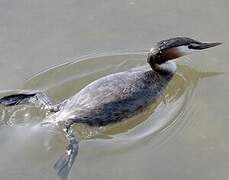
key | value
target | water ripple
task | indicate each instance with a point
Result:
(171, 110)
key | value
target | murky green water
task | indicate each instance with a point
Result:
(183, 136)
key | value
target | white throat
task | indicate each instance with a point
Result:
(168, 66)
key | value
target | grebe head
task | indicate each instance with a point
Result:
(175, 47)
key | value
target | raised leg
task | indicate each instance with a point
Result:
(36, 97)
(65, 162)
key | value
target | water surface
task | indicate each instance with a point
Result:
(183, 136)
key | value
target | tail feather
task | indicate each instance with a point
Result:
(65, 162)
(38, 97)
(16, 99)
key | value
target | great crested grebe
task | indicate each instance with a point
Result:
(112, 98)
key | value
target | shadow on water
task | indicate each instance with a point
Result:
(170, 110)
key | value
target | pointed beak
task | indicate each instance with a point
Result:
(206, 45)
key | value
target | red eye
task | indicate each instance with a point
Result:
(191, 46)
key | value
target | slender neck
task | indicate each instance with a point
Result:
(161, 63)
(167, 68)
